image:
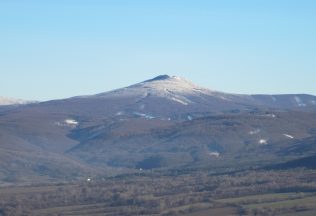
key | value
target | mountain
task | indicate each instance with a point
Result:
(170, 97)
(164, 122)
(4, 101)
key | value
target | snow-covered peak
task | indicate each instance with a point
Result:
(163, 78)
(174, 88)
(4, 101)
(160, 77)
(171, 83)
(165, 83)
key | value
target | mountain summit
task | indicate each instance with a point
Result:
(160, 77)
(165, 82)
(174, 88)
(172, 83)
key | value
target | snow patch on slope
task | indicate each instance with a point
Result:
(119, 113)
(67, 123)
(288, 136)
(263, 142)
(146, 116)
(179, 101)
(214, 154)
(71, 122)
(256, 131)
(299, 102)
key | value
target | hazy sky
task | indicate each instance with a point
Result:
(60, 48)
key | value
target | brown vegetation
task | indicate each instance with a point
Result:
(197, 193)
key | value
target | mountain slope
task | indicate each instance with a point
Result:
(230, 138)
(159, 123)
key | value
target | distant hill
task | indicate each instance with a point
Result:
(5, 101)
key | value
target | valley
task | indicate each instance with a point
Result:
(197, 193)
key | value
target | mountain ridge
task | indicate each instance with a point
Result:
(6, 101)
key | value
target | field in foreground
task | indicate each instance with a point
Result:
(261, 192)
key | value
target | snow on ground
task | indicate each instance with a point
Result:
(214, 154)
(299, 101)
(179, 101)
(313, 102)
(120, 113)
(67, 123)
(270, 115)
(263, 141)
(13, 101)
(146, 116)
(273, 98)
(173, 83)
(288, 136)
(173, 88)
(189, 117)
(71, 122)
(256, 131)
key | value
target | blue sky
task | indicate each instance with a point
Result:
(57, 49)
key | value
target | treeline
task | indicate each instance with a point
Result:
(151, 194)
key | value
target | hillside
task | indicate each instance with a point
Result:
(163, 123)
